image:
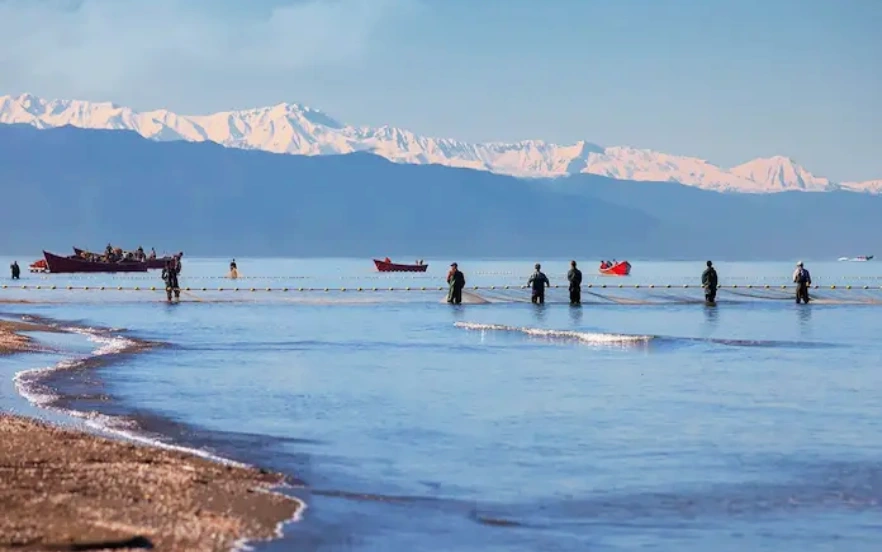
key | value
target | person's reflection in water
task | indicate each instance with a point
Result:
(458, 311)
(805, 321)
(711, 315)
(711, 321)
(539, 312)
(576, 316)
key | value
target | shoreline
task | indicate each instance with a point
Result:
(67, 489)
(13, 340)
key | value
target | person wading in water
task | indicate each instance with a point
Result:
(456, 281)
(709, 283)
(538, 281)
(803, 280)
(170, 276)
(16, 270)
(574, 277)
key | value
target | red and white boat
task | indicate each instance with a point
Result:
(39, 266)
(620, 268)
(387, 265)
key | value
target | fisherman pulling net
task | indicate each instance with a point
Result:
(710, 289)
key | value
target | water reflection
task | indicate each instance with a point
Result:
(804, 315)
(711, 316)
(540, 312)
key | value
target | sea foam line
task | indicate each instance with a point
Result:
(591, 338)
(29, 385)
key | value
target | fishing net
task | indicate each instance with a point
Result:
(592, 294)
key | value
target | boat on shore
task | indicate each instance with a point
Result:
(621, 268)
(73, 264)
(387, 265)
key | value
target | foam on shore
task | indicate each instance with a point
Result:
(31, 385)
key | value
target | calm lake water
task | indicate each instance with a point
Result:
(642, 420)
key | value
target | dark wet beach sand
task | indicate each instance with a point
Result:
(11, 341)
(62, 489)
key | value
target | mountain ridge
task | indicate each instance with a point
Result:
(71, 186)
(301, 130)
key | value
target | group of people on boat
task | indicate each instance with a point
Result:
(608, 264)
(118, 255)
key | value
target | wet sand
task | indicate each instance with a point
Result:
(67, 490)
(13, 342)
(62, 489)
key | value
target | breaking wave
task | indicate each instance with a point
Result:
(600, 339)
(590, 338)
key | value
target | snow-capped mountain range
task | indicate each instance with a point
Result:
(300, 130)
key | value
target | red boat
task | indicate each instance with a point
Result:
(73, 264)
(621, 268)
(39, 266)
(157, 263)
(388, 266)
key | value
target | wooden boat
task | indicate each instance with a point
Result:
(157, 263)
(621, 268)
(73, 264)
(388, 266)
(39, 266)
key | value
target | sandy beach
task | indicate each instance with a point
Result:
(13, 342)
(62, 489)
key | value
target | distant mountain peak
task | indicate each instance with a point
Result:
(299, 129)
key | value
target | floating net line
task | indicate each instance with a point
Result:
(592, 294)
(509, 276)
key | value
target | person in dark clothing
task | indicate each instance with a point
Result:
(709, 283)
(803, 280)
(15, 269)
(538, 282)
(170, 276)
(456, 281)
(574, 277)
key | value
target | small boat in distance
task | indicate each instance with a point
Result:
(620, 268)
(858, 259)
(386, 265)
(39, 266)
(73, 265)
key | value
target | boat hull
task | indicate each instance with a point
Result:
(383, 266)
(619, 269)
(39, 266)
(152, 264)
(72, 265)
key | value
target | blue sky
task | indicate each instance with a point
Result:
(723, 80)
